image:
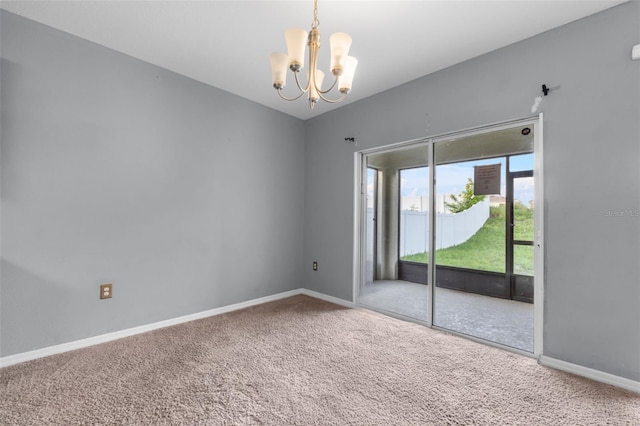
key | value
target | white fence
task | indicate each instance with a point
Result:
(453, 228)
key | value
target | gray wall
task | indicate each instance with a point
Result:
(591, 165)
(114, 170)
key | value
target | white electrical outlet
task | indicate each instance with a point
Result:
(635, 52)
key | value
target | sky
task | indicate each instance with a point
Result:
(451, 178)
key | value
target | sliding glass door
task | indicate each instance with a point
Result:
(449, 234)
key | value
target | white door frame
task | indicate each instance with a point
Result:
(359, 251)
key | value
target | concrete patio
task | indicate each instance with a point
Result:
(507, 322)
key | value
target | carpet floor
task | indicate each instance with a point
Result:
(302, 361)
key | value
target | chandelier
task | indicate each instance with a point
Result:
(343, 66)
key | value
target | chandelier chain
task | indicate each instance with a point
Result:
(316, 22)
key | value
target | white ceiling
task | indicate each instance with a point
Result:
(227, 43)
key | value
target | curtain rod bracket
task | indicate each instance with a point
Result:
(545, 89)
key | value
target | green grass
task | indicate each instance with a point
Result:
(485, 250)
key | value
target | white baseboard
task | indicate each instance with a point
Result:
(103, 338)
(579, 370)
(590, 373)
(327, 298)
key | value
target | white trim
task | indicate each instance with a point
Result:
(487, 128)
(485, 342)
(539, 248)
(393, 146)
(392, 314)
(359, 224)
(103, 338)
(327, 298)
(590, 373)
(431, 266)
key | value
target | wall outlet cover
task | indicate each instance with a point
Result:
(106, 291)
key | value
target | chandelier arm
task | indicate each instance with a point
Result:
(330, 88)
(289, 99)
(306, 89)
(332, 101)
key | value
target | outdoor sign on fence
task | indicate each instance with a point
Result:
(486, 179)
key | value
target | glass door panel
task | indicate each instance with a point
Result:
(523, 260)
(414, 216)
(520, 187)
(523, 207)
(397, 232)
(473, 228)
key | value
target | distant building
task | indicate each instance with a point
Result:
(497, 200)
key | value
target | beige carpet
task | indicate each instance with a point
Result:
(302, 361)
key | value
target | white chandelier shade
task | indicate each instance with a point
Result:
(296, 43)
(340, 44)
